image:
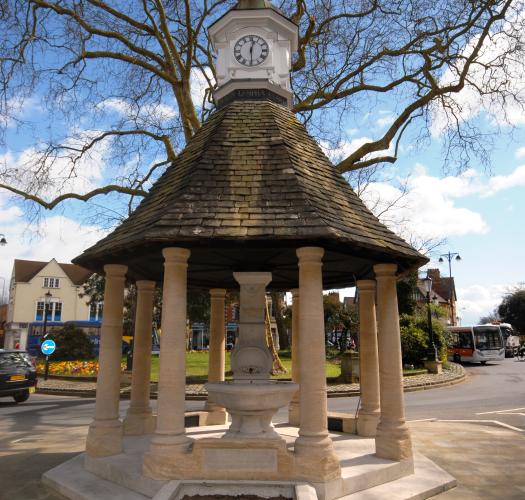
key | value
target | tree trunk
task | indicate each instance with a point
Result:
(277, 366)
(278, 305)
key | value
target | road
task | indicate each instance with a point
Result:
(493, 392)
(47, 430)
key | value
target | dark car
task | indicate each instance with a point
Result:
(17, 374)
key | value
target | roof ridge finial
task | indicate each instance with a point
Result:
(253, 4)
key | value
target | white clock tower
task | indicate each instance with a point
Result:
(254, 43)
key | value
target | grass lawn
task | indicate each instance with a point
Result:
(197, 367)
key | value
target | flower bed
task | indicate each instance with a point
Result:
(72, 368)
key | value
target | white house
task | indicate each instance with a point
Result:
(30, 281)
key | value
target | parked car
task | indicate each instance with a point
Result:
(17, 374)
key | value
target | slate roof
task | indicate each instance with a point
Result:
(25, 270)
(252, 180)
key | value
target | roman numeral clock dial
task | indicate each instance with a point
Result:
(251, 50)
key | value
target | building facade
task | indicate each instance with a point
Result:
(30, 282)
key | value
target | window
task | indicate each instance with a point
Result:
(57, 313)
(95, 311)
(51, 282)
(54, 311)
(39, 311)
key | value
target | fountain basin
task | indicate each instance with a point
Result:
(251, 405)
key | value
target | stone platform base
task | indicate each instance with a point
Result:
(363, 475)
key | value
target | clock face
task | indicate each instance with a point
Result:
(251, 50)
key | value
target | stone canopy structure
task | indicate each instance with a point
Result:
(250, 188)
(251, 203)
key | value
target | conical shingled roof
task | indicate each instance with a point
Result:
(250, 188)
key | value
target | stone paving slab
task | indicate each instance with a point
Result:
(453, 374)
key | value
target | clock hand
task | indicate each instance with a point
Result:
(251, 52)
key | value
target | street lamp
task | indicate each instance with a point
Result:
(47, 300)
(432, 350)
(450, 256)
(3, 241)
(3, 290)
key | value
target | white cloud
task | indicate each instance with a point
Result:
(59, 237)
(152, 112)
(501, 182)
(431, 206)
(19, 109)
(388, 119)
(475, 301)
(520, 152)
(199, 84)
(347, 147)
(501, 64)
(55, 173)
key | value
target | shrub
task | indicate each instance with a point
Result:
(414, 339)
(72, 344)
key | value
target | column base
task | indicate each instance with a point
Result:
(367, 424)
(139, 422)
(216, 414)
(104, 438)
(164, 450)
(315, 459)
(294, 415)
(393, 442)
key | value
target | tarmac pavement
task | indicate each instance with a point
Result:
(486, 458)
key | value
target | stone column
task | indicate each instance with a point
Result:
(170, 437)
(105, 432)
(313, 448)
(392, 437)
(216, 414)
(293, 409)
(368, 415)
(139, 418)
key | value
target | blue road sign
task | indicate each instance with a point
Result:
(48, 347)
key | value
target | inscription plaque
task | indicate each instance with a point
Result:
(240, 459)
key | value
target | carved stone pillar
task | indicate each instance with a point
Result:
(313, 448)
(293, 409)
(368, 416)
(105, 432)
(170, 437)
(216, 414)
(139, 418)
(392, 437)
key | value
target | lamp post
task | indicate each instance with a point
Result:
(47, 299)
(450, 256)
(3, 290)
(3, 241)
(432, 350)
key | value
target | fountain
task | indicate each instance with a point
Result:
(251, 398)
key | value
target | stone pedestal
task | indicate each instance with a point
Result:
(251, 359)
(393, 437)
(105, 432)
(350, 367)
(434, 366)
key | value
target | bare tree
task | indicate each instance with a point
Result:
(128, 83)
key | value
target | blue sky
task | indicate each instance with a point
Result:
(481, 217)
(478, 212)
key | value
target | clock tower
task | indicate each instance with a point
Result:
(254, 43)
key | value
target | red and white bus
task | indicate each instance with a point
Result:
(475, 344)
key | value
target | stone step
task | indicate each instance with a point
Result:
(428, 480)
(71, 480)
